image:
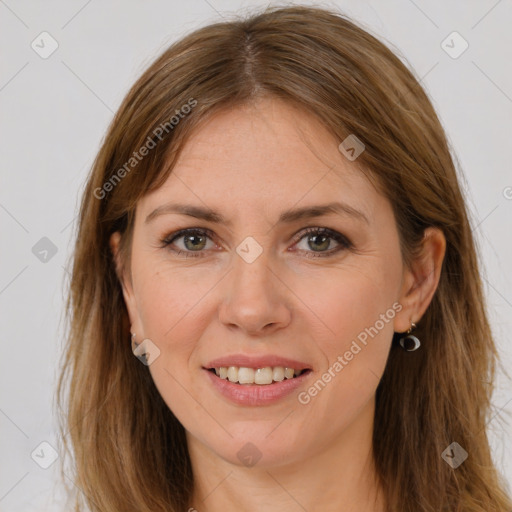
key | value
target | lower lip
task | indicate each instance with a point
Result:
(256, 394)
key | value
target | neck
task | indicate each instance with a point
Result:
(342, 477)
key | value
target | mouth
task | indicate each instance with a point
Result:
(265, 376)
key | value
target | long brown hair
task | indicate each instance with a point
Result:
(130, 451)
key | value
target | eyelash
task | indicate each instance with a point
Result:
(338, 237)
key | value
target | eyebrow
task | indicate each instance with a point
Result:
(287, 216)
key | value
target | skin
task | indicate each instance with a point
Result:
(250, 164)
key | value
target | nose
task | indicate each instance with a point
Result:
(255, 300)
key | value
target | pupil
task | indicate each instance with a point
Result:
(194, 245)
(323, 237)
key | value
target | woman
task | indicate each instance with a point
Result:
(275, 229)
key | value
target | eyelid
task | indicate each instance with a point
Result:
(186, 231)
(339, 237)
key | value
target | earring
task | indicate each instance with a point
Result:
(409, 342)
(134, 343)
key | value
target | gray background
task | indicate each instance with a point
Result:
(54, 113)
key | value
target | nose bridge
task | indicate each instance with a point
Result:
(253, 298)
(252, 276)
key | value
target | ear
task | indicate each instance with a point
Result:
(421, 279)
(125, 280)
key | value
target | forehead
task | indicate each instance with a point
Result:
(262, 156)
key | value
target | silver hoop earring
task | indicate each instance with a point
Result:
(409, 342)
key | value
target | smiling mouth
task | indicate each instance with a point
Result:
(257, 376)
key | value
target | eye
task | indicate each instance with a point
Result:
(192, 242)
(189, 241)
(320, 240)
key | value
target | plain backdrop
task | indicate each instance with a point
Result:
(54, 113)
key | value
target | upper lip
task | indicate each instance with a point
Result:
(257, 362)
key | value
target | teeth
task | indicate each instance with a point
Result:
(245, 375)
(266, 375)
(278, 374)
(233, 374)
(263, 375)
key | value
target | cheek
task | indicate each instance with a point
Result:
(170, 300)
(346, 301)
(358, 305)
(354, 310)
(172, 305)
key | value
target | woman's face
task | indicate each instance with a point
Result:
(252, 282)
